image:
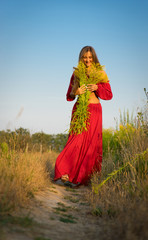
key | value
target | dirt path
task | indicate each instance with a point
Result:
(59, 213)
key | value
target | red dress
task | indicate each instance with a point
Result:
(82, 154)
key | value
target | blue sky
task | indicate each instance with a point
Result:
(40, 41)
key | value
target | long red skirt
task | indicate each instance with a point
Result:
(82, 154)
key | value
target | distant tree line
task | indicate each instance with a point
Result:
(21, 139)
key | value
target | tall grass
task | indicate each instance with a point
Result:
(21, 175)
(120, 193)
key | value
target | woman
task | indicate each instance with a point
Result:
(82, 154)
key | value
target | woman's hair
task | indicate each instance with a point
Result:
(86, 49)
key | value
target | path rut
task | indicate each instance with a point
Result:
(58, 213)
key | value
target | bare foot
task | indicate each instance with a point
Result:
(65, 178)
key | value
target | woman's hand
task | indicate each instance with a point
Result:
(92, 87)
(80, 90)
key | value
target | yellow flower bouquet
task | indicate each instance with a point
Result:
(83, 76)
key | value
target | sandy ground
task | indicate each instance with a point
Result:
(58, 213)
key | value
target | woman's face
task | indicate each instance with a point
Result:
(87, 59)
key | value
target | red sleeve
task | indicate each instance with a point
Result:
(68, 97)
(104, 91)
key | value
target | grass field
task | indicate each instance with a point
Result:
(119, 195)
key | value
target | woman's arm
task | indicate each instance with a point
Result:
(104, 91)
(74, 89)
(69, 96)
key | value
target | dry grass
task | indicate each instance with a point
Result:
(122, 201)
(130, 224)
(21, 175)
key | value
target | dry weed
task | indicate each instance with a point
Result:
(21, 175)
(122, 200)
